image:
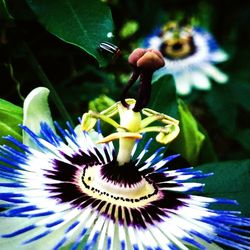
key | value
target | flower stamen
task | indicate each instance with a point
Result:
(132, 126)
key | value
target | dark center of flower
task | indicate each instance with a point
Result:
(126, 175)
(178, 48)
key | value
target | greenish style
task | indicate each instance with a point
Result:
(84, 24)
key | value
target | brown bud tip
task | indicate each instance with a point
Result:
(151, 60)
(146, 58)
(136, 55)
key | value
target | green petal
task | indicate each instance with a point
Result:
(36, 110)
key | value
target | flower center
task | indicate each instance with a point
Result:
(178, 48)
(130, 189)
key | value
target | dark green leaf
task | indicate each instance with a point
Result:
(163, 96)
(82, 23)
(207, 153)
(241, 94)
(4, 12)
(221, 103)
(10, 116)
(243, 137)
(190, 140)
(230, 180)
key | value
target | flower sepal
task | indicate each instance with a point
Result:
(36, 110)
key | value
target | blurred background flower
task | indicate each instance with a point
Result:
(189, 53)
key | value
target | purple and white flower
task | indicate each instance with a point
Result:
(70, 191)
(190, 55)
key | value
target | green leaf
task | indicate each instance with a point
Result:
(10, 116)
(82, 23)
(190, 140)
(36, 110)
(231, 180)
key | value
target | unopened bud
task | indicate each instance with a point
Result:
(146, 58)
(151, 60)
(136, 55)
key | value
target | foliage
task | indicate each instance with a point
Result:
(10, 118)
(85, 24)
(236, 173)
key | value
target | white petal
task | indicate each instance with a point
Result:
(148, 239)
(200, 80)
(155, 42)
(219, 56)
(103, 236)
(8, 225)
(156, 237)
(214, 73)
(182, 82)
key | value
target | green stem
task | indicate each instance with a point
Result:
(44, 79)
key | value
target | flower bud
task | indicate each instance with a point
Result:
(151, 60)
(146, 58)
(136, 55)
